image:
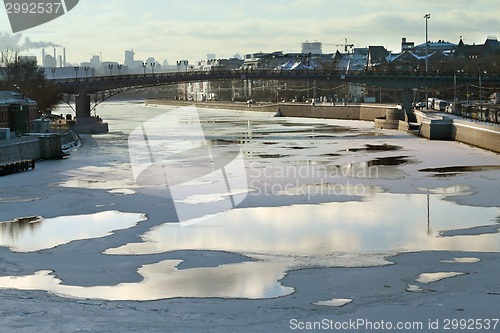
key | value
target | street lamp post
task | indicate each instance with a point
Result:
(454, 87)
(153, 67)
(120, 69)
(426, 17)
(480, 86)
(77, 68)
(110, 66)
(144, 65)
(86, 69)
(53, 70)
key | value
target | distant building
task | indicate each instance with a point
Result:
(182, 65)
(351, 62)
(109, 68)
(49, 61)
(70, 72)
(17, 112)
(407, 46)
(129, 58)
(377, 59)
(439, 46)
(95, 61)
(490, 47)
(312, 48)
(130, 65)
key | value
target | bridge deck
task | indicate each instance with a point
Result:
(396, 80)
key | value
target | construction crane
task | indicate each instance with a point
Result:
(345, 45)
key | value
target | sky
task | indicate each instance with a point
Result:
(182, 29)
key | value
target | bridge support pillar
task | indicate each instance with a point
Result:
(82, 106)
(407, 105)
(85, 123)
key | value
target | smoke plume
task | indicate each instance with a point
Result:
(16, 43)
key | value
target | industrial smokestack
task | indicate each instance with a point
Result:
(43, 57)
(55, 55)
(60, 61)
(64, 57)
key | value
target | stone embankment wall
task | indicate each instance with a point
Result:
(442, 127)
(216, 105)
(348, 112)
(478, 135)
(31, 148)
(20, 150)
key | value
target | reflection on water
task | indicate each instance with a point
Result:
(461, 261)
(15, 228)
(385, 223)
(336, 302)
(113, 177)
(369, 147)
(281, 238)
(36, 233)
(413, 288)
(434, 277)
(252, 280)
(122, 191)
(19, 200)
(457, 169)
(382, 167)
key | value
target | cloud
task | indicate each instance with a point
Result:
(9, 41)
(177, 29)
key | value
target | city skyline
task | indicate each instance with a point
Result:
(176, 30)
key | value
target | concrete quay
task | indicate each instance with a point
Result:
(442, 126)
(327, 111)
(240, 106)
(36, 147)
(430, 125)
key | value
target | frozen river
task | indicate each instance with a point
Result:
(230, 205)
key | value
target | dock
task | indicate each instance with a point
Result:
(9, 168)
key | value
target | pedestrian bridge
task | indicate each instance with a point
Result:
(83, 87)
(395, 80)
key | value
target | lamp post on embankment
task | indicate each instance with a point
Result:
(426, 17)
(480, 85)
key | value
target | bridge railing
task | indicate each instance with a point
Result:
(388, 79)
(274, 73)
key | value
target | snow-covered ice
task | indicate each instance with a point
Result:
(324, 220)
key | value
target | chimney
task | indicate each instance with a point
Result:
(43, 57)
(64, 57)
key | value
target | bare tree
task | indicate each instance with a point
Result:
(24, 75)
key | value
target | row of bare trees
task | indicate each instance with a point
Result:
(24, 76)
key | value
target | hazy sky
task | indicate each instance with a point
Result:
(189, 29)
